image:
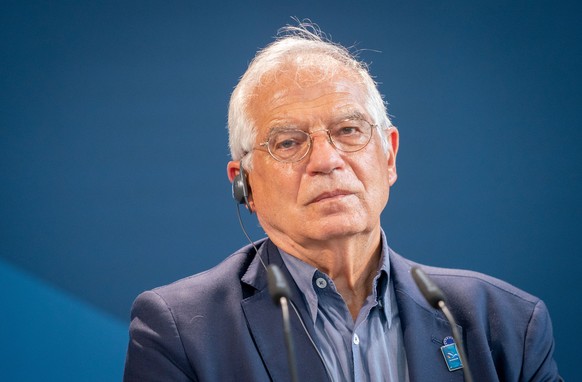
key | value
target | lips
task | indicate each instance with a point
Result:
(329, 195)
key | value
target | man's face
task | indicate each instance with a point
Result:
(329, 193)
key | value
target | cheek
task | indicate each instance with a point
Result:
(379, 190)
(272, 189)
(376, 182)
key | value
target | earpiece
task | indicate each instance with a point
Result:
(240, 189)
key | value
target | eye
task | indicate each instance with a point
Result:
(285, 144)
(347, 130)
(288, 140)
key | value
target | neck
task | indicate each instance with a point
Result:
(351, 262)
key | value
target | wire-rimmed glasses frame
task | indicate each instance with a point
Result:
(289, 145)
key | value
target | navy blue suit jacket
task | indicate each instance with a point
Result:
(221, 325)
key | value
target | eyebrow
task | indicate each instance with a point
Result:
(354, 115)
(286, 126)
(278, 128)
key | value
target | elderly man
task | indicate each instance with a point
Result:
(314, 157)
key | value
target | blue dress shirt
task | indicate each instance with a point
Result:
(369, 349)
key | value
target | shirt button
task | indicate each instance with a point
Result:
(356, 339)
(320, 282)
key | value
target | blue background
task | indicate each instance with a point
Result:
(113, 149)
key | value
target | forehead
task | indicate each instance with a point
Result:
(306, 96)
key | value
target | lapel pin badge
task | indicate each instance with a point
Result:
(451, 354)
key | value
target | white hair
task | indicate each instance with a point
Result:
(301, 47)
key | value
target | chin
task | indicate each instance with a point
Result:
(337, 229)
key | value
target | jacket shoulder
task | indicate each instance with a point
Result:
(465, 286)
(215, 284)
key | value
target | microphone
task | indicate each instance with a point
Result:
(281, 293)
(436, 298)
(278, 287)
(431, 292)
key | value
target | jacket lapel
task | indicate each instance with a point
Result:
(424, 328)
(265, 323)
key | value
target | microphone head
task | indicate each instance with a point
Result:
(431, 292)
(278, 286)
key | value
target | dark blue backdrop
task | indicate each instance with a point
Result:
(113, 150)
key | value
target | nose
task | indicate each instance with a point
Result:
(324, 157)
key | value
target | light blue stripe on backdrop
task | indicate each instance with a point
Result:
(48, 335)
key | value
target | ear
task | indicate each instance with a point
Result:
(393, 140)
(232, 170)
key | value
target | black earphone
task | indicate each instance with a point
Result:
(240, 189)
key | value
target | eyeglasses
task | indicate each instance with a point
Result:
(290, 145)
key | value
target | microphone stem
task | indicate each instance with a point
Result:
(458, 341)
(289, 340)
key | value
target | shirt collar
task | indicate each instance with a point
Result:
(303, 274)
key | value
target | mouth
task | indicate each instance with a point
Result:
(329, 196)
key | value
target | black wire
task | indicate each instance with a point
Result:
(290, 301)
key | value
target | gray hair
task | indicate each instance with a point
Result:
(303, 47)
